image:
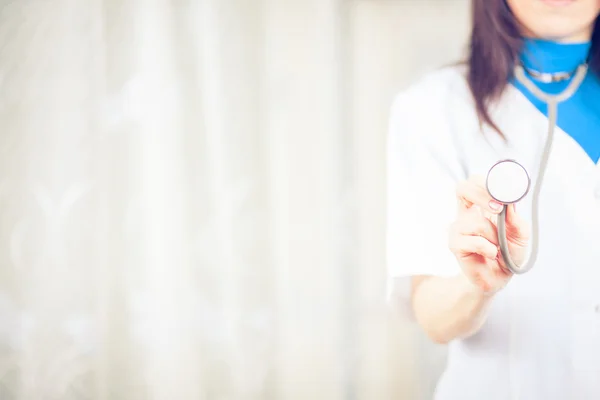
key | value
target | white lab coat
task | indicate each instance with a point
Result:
(542, 337)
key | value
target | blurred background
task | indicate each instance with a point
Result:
(192, 197)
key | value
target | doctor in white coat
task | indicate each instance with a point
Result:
(532, 336)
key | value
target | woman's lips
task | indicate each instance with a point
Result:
(558, 3)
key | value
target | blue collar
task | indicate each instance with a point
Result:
(547, 56)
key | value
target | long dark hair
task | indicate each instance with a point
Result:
(493, 50)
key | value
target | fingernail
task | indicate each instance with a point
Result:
(495, 206)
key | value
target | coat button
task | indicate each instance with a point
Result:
(597, 308)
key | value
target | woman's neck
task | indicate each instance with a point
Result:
(584, 35)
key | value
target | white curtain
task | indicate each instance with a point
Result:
(192, 197)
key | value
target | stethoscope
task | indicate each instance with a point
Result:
(508, 181)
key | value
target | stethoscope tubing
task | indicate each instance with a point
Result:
(552, 102)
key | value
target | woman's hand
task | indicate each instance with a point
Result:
(474, 238)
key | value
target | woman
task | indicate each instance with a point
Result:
(533, 336)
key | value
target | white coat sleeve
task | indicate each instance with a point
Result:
(423, 168)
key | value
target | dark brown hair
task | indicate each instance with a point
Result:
(493, 50)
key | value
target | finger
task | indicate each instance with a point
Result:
(478, 225)
(489, 279)
(480, 274)
(517, 227)
(473, 192)
(503, 270)
(466, 245)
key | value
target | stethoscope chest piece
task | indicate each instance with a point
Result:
(508, 182)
